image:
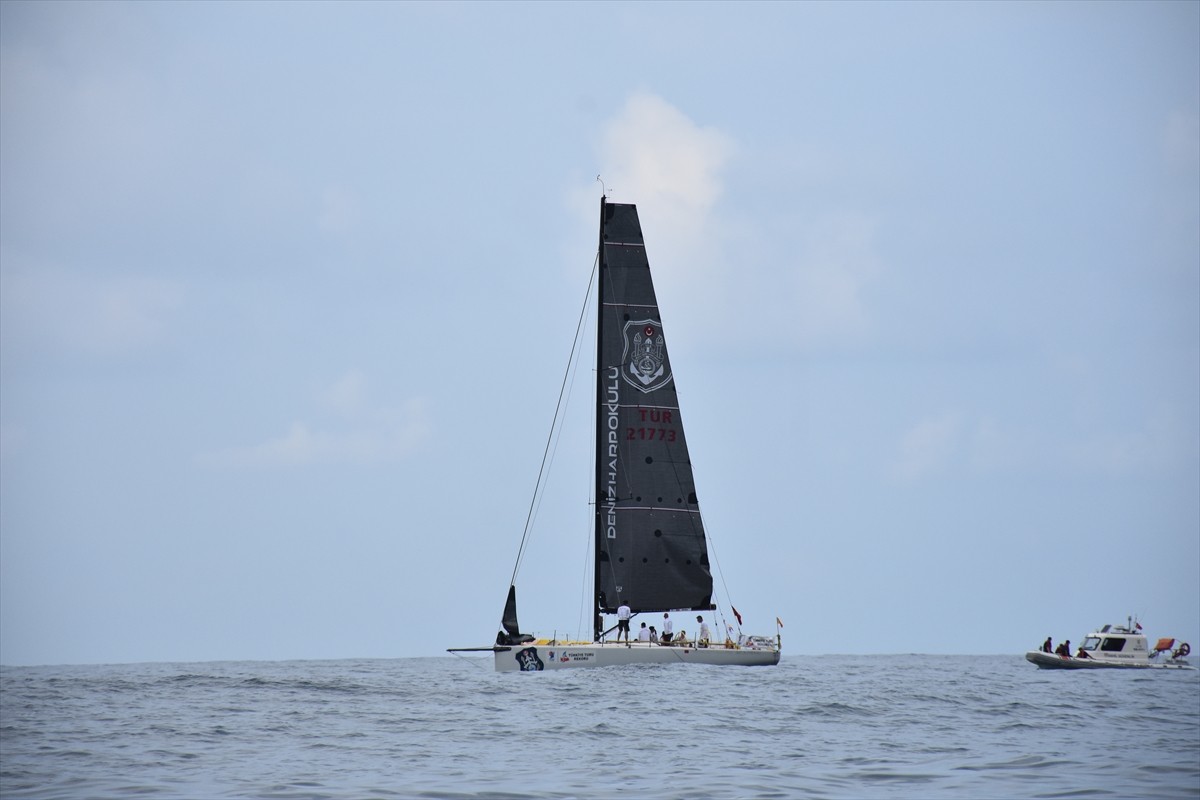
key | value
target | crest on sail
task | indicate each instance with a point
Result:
(645, 355)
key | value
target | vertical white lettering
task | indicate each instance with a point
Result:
(614, 422)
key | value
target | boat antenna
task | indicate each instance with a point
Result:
(603, 188)
(553, 424)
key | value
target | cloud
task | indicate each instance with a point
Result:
(929, 446)
(801, 276)
(1181, 140)
(654, 155)
(348, 394)
(653, 152)
(357, 431)
(99, 315)
(836, 261)
(1162, 441)
(339, 211)
(13, 439)
(993, 448)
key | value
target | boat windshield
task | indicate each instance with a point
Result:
(1091, 643)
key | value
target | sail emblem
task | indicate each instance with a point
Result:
(645, 356)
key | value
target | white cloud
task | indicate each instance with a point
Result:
(339, 211)
(1181, 140)
(835, 263)
(993, 448)
(654, 155)
(802, 278)
(929, 446)
(987, 446)
(1162, 441)
(92, 314)
(348, 394)
(359, 432)
(13, 439)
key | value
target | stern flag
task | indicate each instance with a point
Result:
(779, 622)
(736, 614)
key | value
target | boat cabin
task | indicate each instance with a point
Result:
(1116, 643)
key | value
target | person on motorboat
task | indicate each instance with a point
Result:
(1046, 647)
(1082, 653)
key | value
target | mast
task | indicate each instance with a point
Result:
(598, 620)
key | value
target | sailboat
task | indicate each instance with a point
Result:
(650, 554)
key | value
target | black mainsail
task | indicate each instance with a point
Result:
(649, 538)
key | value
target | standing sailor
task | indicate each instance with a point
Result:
(623, 614)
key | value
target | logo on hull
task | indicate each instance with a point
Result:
(529, 661)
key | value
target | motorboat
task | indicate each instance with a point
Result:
(1114, 646)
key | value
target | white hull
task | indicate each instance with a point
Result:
(1052, 661)
(537, 656)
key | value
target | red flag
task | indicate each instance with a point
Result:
(736, 614)
(1138, 625)
(779, 622)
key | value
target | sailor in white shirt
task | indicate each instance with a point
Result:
(623, 614)
(644, 633)
(704, 635)
(668, 627)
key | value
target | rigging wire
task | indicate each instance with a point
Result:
(564, 403)
(546, 453)
(712, 545)
(589, 523)
(477, 662)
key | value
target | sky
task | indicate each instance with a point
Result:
(287, 292)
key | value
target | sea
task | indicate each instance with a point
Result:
(838, 726)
